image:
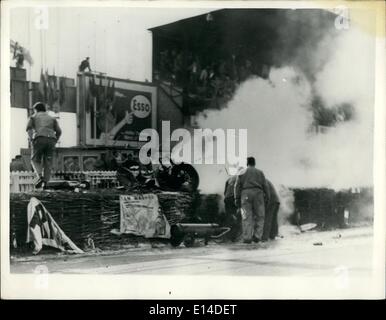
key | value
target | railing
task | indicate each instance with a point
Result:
(23, 181)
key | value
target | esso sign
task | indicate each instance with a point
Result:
(140, 106)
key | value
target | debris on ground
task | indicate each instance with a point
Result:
(318, 243)
(307, 227)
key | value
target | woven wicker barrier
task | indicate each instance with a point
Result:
(91, 215)
(326, 207)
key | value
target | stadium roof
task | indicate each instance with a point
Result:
(228, 31)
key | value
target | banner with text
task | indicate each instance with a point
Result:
(141, 215)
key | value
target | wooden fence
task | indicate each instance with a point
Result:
(23, 181)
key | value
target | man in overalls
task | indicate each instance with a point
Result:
(250, 191)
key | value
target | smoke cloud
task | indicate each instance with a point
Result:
(279, 115)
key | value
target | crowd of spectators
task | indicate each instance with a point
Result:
(203, 78)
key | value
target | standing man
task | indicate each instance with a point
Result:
(250, 190)
(271, 227)
(44, 132)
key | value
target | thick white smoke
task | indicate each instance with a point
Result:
(278, 115)
(349, 77)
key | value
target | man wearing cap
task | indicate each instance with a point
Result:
(250, 191)
(44, 132)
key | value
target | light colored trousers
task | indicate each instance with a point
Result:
(252, 202)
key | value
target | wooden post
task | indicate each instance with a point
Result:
(29, 111)
(94, 120)
(78, 111)
(107, 110)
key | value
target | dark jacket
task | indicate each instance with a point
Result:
(85, 64)
(272, 194)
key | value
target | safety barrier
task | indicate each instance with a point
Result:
(23, 181)
(90, 216)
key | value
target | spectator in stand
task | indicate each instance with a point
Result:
(210, 81)
(171, 55)
(229, 87)
(204, 76)
(178, 68)
(194, 73)
(211, 73)
(157, 76)
(222, 69)
(225, 85)
(166, 66)
(245, 71)
(163, 63)
(214, 79)
(232, 68)
(172, 65)
(265, 71)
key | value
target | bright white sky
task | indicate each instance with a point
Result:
(117, 40)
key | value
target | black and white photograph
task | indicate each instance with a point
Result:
(193, 149)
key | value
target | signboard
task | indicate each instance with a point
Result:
(112, 112)
(141, 216)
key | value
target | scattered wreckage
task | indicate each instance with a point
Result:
(181, 177)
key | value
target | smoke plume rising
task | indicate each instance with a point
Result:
(279, 115)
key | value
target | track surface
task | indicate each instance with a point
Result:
(307, 254)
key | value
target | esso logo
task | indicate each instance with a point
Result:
(141, 106)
